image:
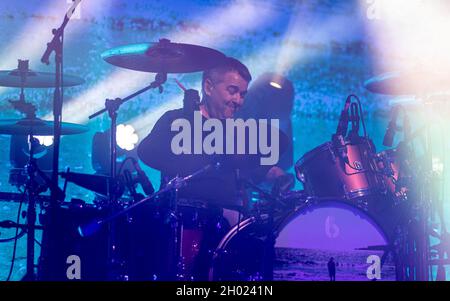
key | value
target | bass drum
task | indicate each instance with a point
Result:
(303, 242)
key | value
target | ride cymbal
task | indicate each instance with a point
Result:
(37, 126)
(163, 57)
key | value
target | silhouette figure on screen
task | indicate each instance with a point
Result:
(332, 269)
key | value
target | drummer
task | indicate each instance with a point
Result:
(223, 91)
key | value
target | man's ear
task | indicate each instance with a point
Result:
(208, 86)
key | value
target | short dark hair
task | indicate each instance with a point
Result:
(226, 65)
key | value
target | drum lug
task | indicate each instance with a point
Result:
(346, 192)
(333, 155)
(302, 178)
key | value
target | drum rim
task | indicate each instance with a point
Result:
(303, 209)
(310, 154)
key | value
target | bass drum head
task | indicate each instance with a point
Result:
(310, 237)
(305, 241)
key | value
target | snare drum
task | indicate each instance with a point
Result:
(325, 173)
(305, 239)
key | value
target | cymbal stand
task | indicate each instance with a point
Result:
(21, 105)
(111, 107)
(32, 190)
(435, 188)
(422, 199)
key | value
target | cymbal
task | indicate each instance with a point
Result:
(408, 83)
(34, 79)
(163, 57)
(38, 127)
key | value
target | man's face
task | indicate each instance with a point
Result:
(226, 95)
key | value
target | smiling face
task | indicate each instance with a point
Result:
(225, 95)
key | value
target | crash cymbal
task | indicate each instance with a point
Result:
(34, 79)
(409, 83)
(38, 127)
(163, 57)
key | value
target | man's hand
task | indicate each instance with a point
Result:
(274, 173)
(282, 181)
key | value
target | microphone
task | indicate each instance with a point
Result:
(355, 119)
(341, 147)
(143, 179)
(342, 127)
(391, 129)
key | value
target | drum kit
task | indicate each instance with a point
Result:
(377, 195)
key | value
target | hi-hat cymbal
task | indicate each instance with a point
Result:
(38, 127)
(409, 83)
(163, 57)
(34, 79)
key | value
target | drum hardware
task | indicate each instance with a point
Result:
(32, 191)
(112, 106)
(176, 183)
(33, 188)
(23, 77)
(56, 46)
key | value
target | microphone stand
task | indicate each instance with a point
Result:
(56, 46)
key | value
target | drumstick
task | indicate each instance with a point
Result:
(180, 85)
